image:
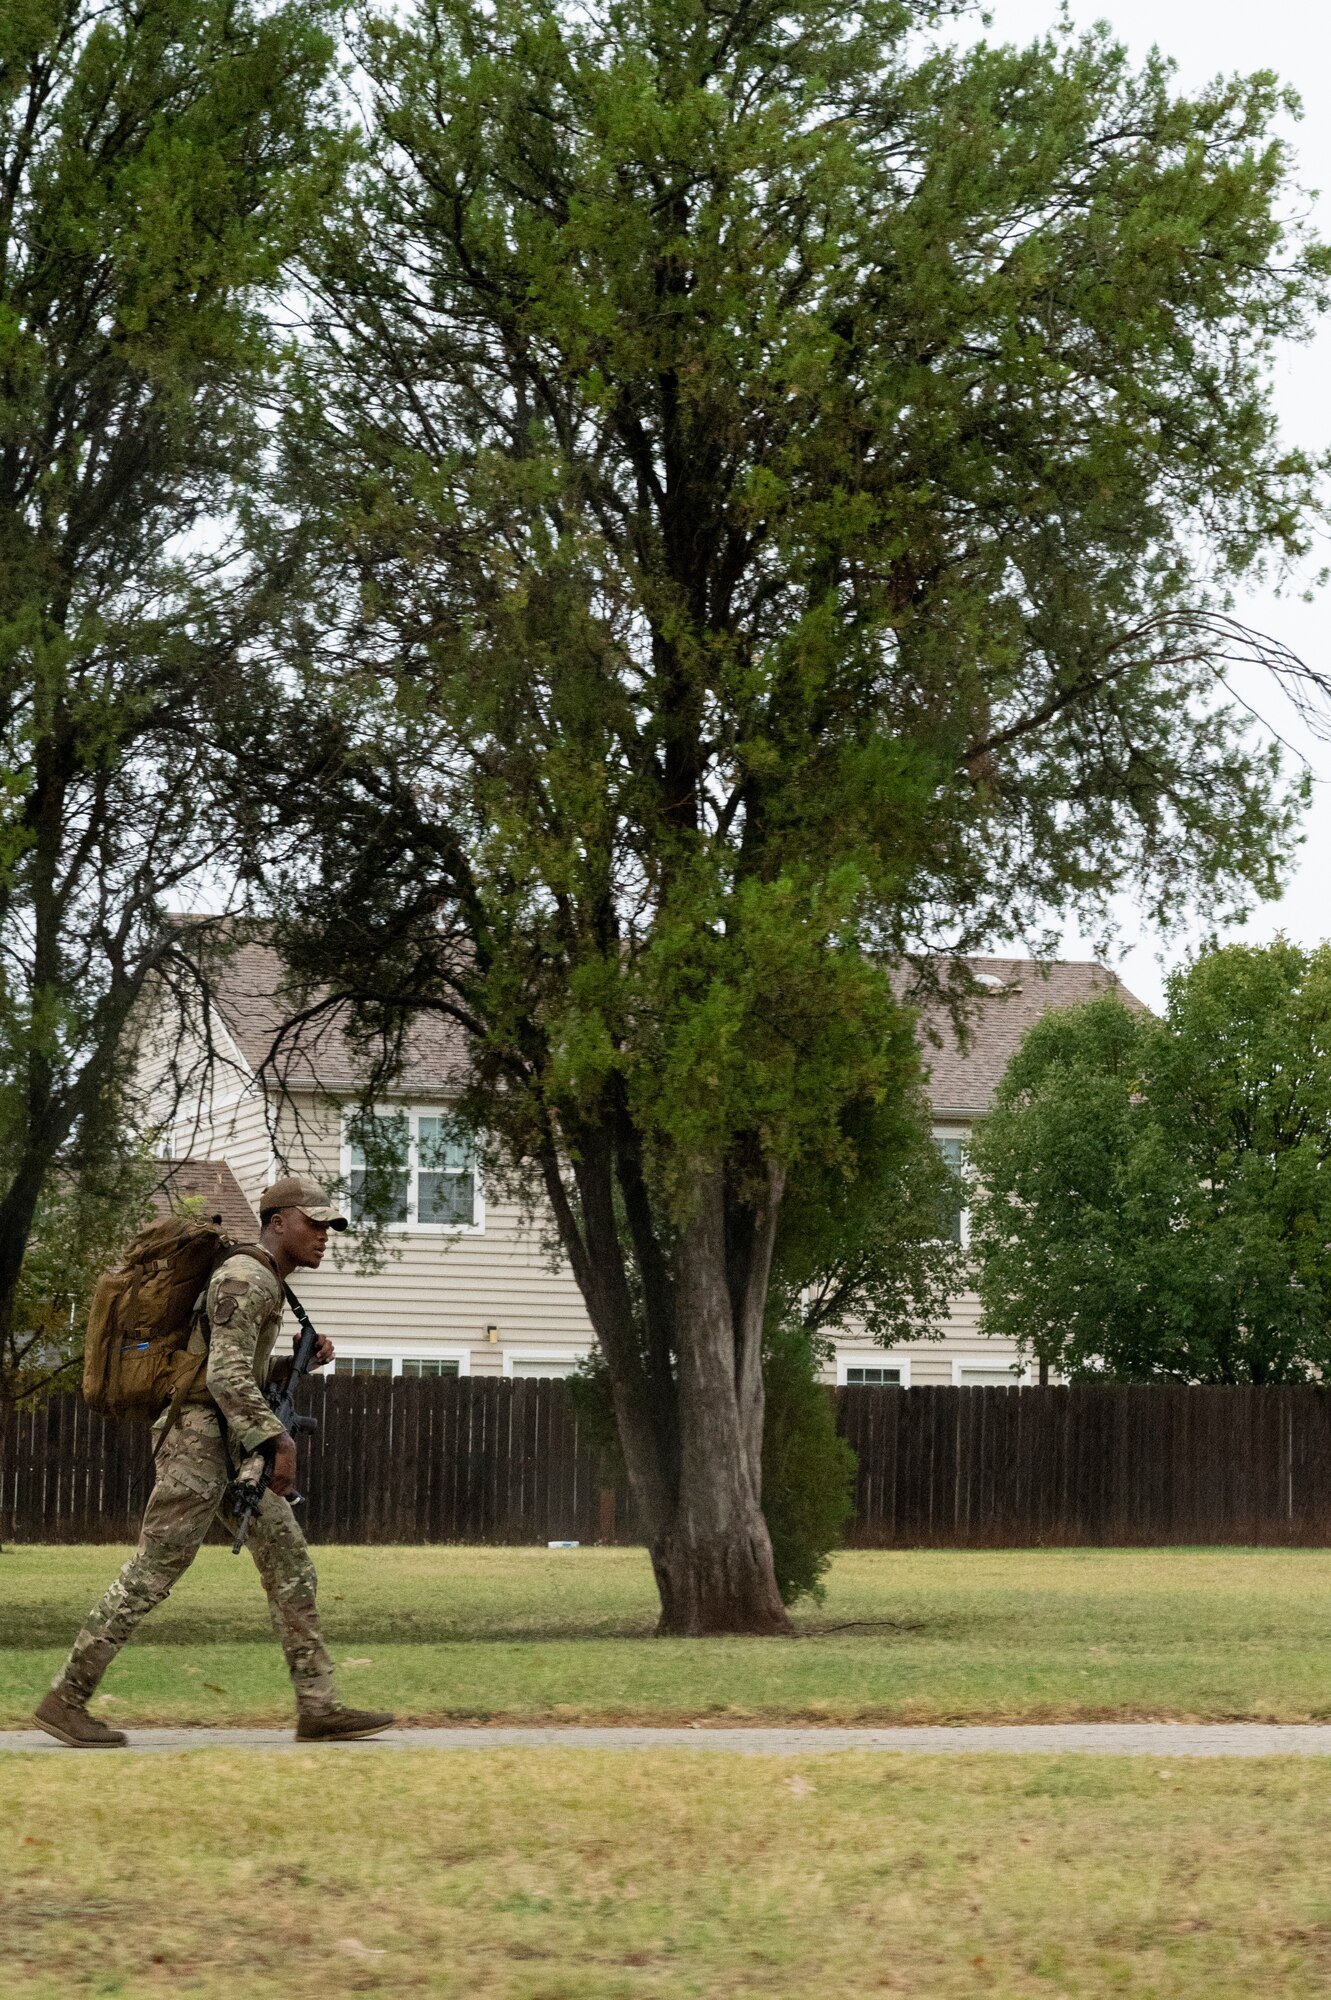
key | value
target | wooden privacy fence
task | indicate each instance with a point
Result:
(476, 1460)
(395, 1459)
(1109, 1467)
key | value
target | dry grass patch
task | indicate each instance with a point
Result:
(558, 1875)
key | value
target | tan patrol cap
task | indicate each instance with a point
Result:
(306, 1195)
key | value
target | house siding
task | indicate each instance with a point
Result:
(233, 1127)
(438, 1294)
(228, 1121)
(928, 1362)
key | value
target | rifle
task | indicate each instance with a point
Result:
(250, 1490)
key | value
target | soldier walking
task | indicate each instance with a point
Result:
(200, 1443)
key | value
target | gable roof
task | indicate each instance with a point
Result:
(211, 1182)
(255, 998)
(1017, 991)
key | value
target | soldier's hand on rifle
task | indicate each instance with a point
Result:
(283, 1476)
(323, 1349)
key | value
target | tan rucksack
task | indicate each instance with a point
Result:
(134, 1357)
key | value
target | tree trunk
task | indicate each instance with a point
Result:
(17, 1211)
(692, 1440)
(715, 1579)
(712, 1555)
(596, 1255)
(16, 1214)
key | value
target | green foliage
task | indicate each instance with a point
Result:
(808, 1471)
(774, 530)
(1051, 1216)
(865, 1234)
(592, 1393)
(1154, 1197)
(157, 162)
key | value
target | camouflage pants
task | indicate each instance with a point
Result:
(190, 1491)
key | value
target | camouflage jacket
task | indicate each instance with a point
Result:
(244, 1313)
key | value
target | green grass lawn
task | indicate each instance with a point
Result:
(462, 1633)
(562, 1875)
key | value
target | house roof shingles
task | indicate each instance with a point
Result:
(211, 1182)
(255, 1000)
(1015, 993)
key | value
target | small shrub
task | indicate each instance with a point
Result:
(808, 1471)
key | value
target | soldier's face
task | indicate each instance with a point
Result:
(304, 1241)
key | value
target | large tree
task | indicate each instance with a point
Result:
(768, 481)
(157, 162)
(1153, 1198)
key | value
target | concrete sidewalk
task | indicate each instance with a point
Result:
(1111, 1739)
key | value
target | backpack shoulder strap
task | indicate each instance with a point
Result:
(258, 1253)
(184, 1387)
(190, 1382)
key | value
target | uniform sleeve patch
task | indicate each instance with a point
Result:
(229, 1295)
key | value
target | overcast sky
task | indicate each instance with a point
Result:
(1293, 38)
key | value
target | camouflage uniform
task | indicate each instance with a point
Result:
(244, 1312)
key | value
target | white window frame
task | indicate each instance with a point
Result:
(571, 1356)
(1019, 1375)
(360, 1350)
(413, 1112)
(878, 1358)
(961, 1134)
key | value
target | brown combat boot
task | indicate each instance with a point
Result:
(339, 1725)
(70, 1723)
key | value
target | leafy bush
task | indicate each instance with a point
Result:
(808, 1471)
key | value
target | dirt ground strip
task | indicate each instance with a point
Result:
(1115, 1739)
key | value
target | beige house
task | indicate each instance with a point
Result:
(469, 1285)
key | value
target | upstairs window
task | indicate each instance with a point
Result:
(379, 1167)
(411, 1169)
(445, 1172)
(954, 1219)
